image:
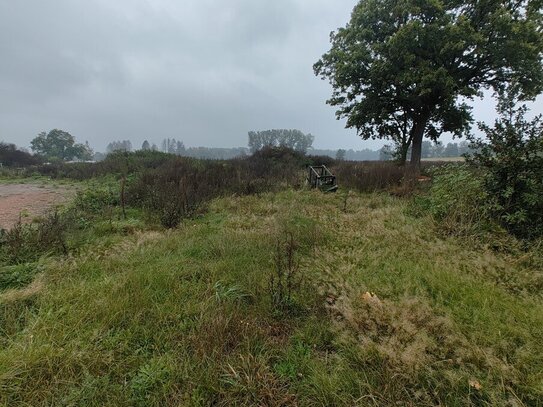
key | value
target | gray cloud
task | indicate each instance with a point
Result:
(203, 71)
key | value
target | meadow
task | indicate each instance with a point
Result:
(172, 282)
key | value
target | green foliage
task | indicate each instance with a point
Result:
(98, 197)
(399, 68)
(151, 382)
(17, 276)
(60, 145)
(512, 157)
(27, 242)
(233, 293)
(457, 195)
(145, 322)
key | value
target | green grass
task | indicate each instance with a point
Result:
(184, 317)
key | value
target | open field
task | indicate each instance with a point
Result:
(389, 312)
(25, 201)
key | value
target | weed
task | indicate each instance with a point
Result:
(284, 279)
(151, 383)
(17, 276)
(230, 293)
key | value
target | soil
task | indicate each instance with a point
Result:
(27, 201)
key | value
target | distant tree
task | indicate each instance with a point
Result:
(145, 146)
(386, 153)
(438, 149)
(60, 145)
(172, 146)
(352, 155)
(451, 150)
(464, 148)
(340, 155)
(124, 145)
(180, 148)
(408, 64)
(426, 149)
(293, 139)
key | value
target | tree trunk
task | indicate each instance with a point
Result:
(418, 134)
(403, 154)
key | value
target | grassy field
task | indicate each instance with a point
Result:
(444, 159)
(386, 310)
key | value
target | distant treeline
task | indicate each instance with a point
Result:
(349, 155)
(60, 145)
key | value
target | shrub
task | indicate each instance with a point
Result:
(180, 187)
(96, 198)
(118, 163)
(27, 242)
(284, 279)
(512, 159)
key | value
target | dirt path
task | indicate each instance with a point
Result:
(29, 199)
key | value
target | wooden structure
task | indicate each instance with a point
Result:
(320, 177)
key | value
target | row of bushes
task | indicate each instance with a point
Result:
(122, 162)
(180, 187)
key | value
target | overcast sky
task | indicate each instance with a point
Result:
(201, 71)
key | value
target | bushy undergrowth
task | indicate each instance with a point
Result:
(127, 163)
(180, 187)
(512, 159)
(368, 176)
(371, 176)
(457, 200)
(114, 164)
(501, 186)
(27, 242)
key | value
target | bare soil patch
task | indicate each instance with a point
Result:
(29, 200)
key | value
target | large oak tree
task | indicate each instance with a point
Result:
(60, 145)
(401, 69)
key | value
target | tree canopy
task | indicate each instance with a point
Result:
(294, 139)
(60, 145)
(401, 68)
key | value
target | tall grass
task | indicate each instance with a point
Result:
(371, 176)
(390, 313)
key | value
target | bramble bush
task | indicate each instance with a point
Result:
(511, 158)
